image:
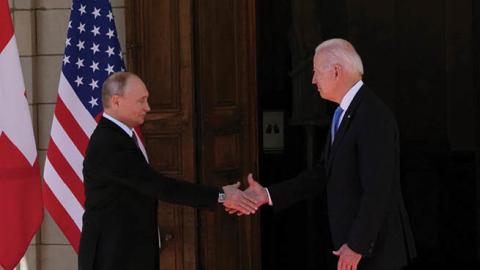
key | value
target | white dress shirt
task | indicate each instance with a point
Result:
(347, 99)
(127, 130)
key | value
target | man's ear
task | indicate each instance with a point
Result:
(337, 70)
(115, 101)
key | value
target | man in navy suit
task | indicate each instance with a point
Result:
(358, 172)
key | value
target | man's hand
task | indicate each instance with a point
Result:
(237, 201)
(255, 192)
(347, 258)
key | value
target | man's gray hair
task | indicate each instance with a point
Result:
(115, 85)
(340, 51)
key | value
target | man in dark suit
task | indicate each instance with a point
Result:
(358, 171)
(120, 220)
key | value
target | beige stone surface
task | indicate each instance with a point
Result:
(45, 116)
(49, 4)
(27, 71)
(41, 161)
(23, 4)
(119, 14)
(24, 24)
(51, 31)
(58, 257)
(51, 233)
(117, 3)
(47, 74)
(34, 116)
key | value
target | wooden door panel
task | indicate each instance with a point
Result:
(170, 160)
(226, 100)
(226, 150)
(159, 50)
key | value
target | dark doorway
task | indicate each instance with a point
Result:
(288, 31)
(422, 59)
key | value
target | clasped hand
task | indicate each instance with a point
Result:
(244, 202)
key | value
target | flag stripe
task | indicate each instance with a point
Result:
(61, 217)
(72, 128)
(67, 147)
(64, 169)
(70, 99)
(63, 194)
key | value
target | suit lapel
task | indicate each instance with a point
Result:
(344, 125)
(104, 122)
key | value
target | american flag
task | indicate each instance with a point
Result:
(92, 53)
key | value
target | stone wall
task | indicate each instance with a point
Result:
(40, 29)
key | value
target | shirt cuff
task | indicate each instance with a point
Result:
(269, 198)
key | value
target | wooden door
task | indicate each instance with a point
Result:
(202, 130)
(226, 94)
(160, 51)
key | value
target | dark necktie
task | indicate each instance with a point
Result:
(336, 121)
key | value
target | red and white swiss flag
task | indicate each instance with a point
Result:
(21, 207)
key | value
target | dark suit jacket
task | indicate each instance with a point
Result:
(361, 177)
(121, 188)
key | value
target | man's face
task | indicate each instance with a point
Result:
(133, 105)
(324, 78)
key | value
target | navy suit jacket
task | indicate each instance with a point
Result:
(359, 173)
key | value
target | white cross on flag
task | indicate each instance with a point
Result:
(21, 208)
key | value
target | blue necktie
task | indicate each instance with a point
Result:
(336, 121)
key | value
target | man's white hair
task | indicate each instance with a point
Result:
(340, 51)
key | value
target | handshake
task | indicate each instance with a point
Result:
(244, 202)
